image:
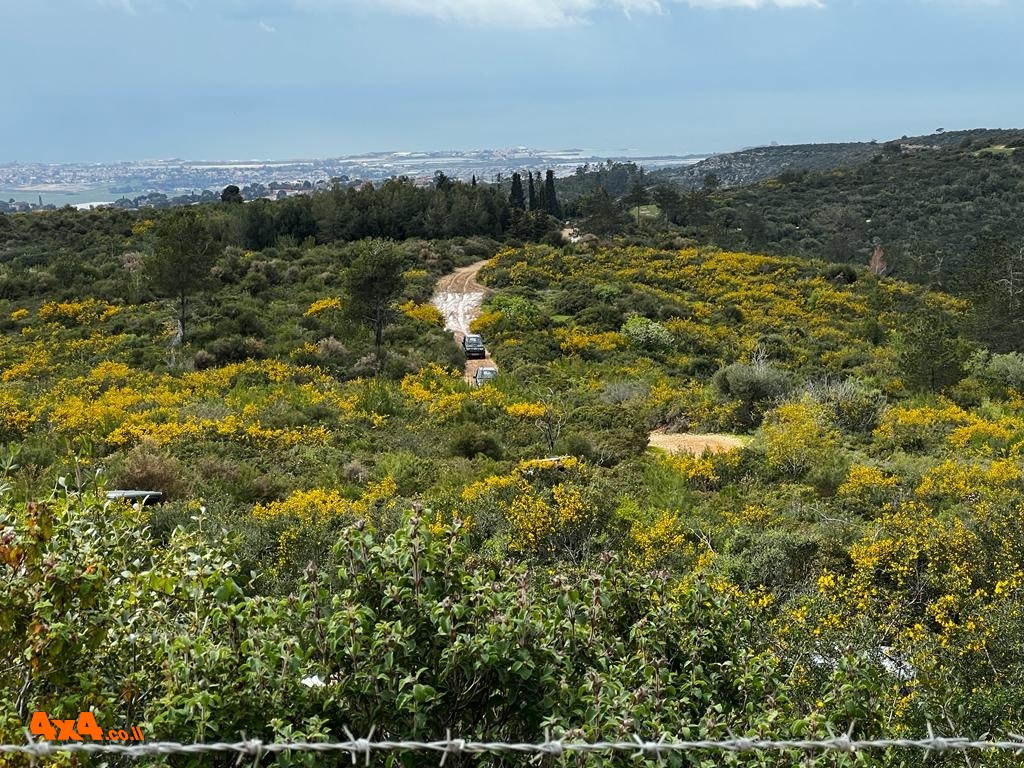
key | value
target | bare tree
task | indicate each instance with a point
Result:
(553, 419)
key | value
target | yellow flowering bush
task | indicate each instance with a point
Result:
(988, 438)
(525, 410)
(915, 428)
(541, 524)
(866, 488)
(575, 340)
(15, 421)
(317, 503)
(73, 313)
(796, 435)
(142, 226)
(699, 471)
(544, 507)
(27, 361)
(485, 322)
(658, 542)
(971, 483)
(425, 313)
(755, 516)
(326, 304)
(306, 521)
(441, 391)
(119, 406)
(487, 487)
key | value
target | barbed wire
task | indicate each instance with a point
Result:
(550, 747)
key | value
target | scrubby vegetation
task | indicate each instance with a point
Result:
(511, 558)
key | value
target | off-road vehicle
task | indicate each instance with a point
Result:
(473, 346)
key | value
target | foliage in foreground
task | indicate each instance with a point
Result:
(413, 634)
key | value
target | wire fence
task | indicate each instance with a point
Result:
(365, 748)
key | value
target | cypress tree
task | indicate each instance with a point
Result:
(550, 201)
(515, 197)
(532, 194)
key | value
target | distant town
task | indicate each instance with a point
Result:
(161, 183)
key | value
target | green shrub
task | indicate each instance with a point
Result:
(601, 317)
(646, 335)
(148, 467)
(779, 560)
(854, 407)
(842, 274)
(470, 441)
(755, 386)
(1004, 371)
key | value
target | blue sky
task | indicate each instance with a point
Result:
(105, 80)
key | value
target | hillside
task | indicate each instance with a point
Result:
(355, 537)
(942, 217)
(749, 166)
(928, 204)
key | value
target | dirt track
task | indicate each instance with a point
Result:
(459, 297)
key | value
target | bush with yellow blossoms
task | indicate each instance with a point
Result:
(544, 509)
(795, 436)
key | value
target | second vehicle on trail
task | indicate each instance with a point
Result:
(473, 346)
(483, 375)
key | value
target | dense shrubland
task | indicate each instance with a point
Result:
(939, 211)
(371, 519)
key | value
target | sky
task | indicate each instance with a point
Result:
(112, 80)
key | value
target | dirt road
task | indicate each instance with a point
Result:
(459, 297)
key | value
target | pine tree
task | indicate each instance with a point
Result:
(532, 194)
(515, 198)
(373, 281)
(550, 200)
(182, 258)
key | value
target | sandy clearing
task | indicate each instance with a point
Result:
(694, 444)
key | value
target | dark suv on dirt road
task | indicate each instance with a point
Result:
(473, 346)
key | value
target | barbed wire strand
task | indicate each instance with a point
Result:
(366, 747)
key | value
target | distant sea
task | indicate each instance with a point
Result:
(60, 199)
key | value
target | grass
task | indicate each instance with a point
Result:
(999, 149)
(650, 212)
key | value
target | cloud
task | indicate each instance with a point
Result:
(545, 13)
(754, 3)
(266, 27)
(123, 5)
(501, 13)
(487, 13)
(972, 3)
